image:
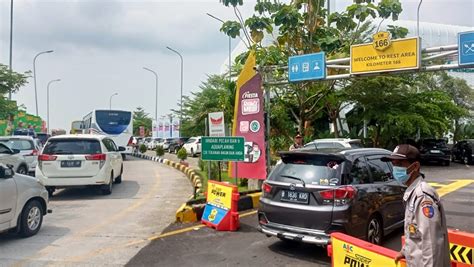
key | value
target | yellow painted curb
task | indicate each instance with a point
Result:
(185, 214)
(255, 199)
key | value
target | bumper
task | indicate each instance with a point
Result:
(286, 232)
(100, 179)
(435, 157)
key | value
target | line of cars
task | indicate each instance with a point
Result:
(334, 185)
(64, 161)
(172, 145)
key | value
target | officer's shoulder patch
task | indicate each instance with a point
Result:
(427, 208)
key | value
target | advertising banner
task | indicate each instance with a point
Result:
(154, 129)
(216, 124)
(249, 123)
(161, 128)
(167, 131)
(385, 55)
(175, 132)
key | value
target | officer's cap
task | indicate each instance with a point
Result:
(402, 152)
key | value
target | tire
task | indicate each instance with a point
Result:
(447, 163)
(169, 150)
(192, 153)
(124, 156)
(107, 189)
(118, 180)
(375, 230)
(22, 169)
(31, 218)
(176, 150)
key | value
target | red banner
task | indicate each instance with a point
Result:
(249, 123)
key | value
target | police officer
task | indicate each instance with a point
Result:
(298, 142)
(426, 235)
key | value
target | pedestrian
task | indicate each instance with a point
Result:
(297, 142)
(426, 233)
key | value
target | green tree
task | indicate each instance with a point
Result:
(10, 82)
(141, 118)
(216, 94)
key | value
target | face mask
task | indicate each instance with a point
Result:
(400, 174)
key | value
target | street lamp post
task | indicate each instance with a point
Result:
(181, 98)
(110, 100)
(230, 45)
(11, 43)
(47, 102)
(156, 92)
(34, 76)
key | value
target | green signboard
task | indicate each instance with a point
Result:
(222, 148)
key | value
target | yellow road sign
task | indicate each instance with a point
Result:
(384, 55)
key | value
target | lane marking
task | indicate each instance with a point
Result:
(107, 222)
(446, 189)
(436, 184)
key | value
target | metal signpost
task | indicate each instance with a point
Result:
(466, 48)
(307, 67)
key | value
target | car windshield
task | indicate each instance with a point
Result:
(18, 144)
(113, 122)
(313, 171)
(190, 141)
(72, 147)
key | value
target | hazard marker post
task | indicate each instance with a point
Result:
(221, 212)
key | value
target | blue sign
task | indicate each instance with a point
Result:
(466, 48)
(214, 214)
(307, 67)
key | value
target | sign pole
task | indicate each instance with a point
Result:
(236, 172)
(208, 163)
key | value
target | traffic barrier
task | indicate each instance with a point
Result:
(461, 248)
(221, 212)
(346, 250)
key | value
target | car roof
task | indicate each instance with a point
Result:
(336, 140)
(79, 136)
(26, 137)
(347, 153)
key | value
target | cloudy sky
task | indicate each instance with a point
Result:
(100, 47)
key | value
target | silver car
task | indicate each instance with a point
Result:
(13, 157)
(28, 146)
(23, 202)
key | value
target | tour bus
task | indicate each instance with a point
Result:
(116, 124)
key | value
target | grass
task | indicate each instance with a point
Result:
(225, 178)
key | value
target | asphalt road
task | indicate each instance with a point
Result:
(200, 246)
(88, 229)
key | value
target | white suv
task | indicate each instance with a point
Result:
(80, 160)
(193, 146)
(23, 202)
(13, 157)
(333, 143)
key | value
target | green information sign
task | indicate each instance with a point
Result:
(222, 148)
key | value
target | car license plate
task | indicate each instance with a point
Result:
(435, 151)
(294, 197)
(70, 164)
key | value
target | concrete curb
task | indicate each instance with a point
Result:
(192, 174)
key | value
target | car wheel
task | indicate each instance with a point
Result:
(375, 230)
(192, 153)
(118, 180)
(31, 218)
(447, 162)
(107, 189)
(22, 170)
(176, 150)
(124, 156)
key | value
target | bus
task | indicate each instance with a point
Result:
(76, 127)
(116, 124)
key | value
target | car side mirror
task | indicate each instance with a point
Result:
(6, 173)
(15, 151)
(121, 148)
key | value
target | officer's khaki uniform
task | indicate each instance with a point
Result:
(426, 235)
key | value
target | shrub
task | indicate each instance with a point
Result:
(143, 148)
(182, 154)
(160, 151)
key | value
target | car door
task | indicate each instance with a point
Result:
(8, 197)
(118, 157)
(389, 192)
(112, 154)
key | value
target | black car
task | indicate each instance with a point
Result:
(177, 144)
(435, 150)
(463, 151)
(311, 194)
